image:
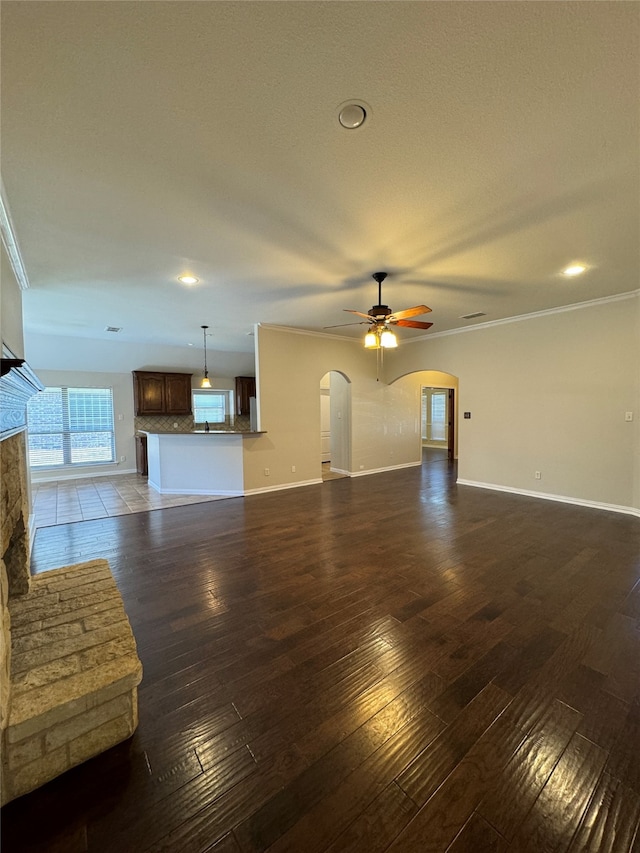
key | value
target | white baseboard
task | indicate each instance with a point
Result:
(220, 493)
(340, 471)
(282, 486)
(50, 478)
(382, 470)
(627, 510)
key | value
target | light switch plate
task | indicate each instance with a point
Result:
(628, 416)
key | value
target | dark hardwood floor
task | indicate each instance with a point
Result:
(385, 663)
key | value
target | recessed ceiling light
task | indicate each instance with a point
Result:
(574, 269)
(187, 279)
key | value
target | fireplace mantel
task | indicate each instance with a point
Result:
(18, 383)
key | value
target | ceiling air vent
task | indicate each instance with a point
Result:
(113, 329)
(473, 316)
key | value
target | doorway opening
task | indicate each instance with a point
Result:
(437, 411)
(335, 425)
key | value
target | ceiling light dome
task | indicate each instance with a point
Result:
(352, 114)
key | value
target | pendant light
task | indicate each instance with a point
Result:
(206, 382)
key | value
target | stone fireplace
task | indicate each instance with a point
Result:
(17, 385)
(69, 668)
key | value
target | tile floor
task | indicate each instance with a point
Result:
(63, 501)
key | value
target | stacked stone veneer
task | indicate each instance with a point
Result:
(74, 675)
(14, 571)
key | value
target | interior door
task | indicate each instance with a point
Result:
(451, 424)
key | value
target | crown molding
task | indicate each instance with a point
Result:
(575, 306)
(308, 332)
(10, 241)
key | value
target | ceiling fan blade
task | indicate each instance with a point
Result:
(411, 324)
(359, 313)
(411, 312)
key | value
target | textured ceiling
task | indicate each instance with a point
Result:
(142, 140)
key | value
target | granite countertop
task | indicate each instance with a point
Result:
(199, 432)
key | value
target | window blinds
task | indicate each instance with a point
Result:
(71, 426)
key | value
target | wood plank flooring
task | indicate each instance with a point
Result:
(385, 663)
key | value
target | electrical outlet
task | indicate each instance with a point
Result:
(628, 416)
(293, 469)
(538, 475)
(175, 424)
(266, 472)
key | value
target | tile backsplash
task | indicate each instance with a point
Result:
(165, 423)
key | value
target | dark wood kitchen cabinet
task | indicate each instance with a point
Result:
(142, 466)
(245, 388)
(161, 393)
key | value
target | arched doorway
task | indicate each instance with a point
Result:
(438, 415)
(436, 431)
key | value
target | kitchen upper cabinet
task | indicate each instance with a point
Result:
(178, 393)
(245, 388)
(161, 393)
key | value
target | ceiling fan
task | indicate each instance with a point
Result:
(380, 317)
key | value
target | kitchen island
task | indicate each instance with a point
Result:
(197, 462)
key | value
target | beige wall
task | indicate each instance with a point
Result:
(290, 366)
(10, 307)
(547, 394)
(415, 382)
(634, 354)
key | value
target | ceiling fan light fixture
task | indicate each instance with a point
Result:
(388, 340)
(371, 340)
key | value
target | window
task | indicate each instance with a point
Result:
(434, 415)
(211, 406)
(71, 426)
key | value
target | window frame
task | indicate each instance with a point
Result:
(70, 423)
(225, 393)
